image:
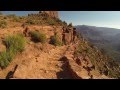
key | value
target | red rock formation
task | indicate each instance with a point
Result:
(53, 14)
(69, 35)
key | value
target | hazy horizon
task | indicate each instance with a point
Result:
(98, 26)
(110, 19)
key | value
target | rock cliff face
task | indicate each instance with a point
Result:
(69, 35)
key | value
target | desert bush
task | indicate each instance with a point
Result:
(15, 43)
(38, 37)
(82, 48)
(6, 58)
(51, 22)
(11, 15)
(79, 35)
(34, 20)
(78, 51)
(88, 50)
(30, 21)
(3, 24)
(58, 20)
(16, 19)
(55, 41)
(22, 17)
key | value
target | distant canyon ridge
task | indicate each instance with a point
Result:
(107, 39)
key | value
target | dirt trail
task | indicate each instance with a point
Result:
(44, 66)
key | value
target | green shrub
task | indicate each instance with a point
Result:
(16, 42)
(55, 41)
(11, 15)
(16, 19)
(79, 49)
(30, 21)
(51, 22)
(38, 37)
(6, 58)
(3, 24)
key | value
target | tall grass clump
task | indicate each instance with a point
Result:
(14, 44)
(38, 37)
(3, 24)
(55, 40)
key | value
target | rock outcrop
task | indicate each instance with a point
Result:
(69, 35)
(53, 14)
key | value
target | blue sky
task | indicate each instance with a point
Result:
(94, 18)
